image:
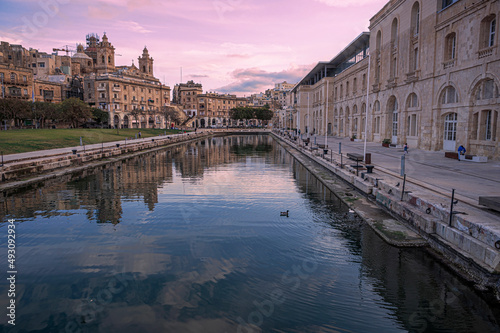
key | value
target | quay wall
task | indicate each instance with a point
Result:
(466, 246)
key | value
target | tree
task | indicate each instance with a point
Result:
(99, 115)
(135, 113)
(172, 114)
(75, 110)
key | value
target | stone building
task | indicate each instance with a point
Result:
(433, 79)
(213, 109)
(47, 91)
(184, 94)
(16, 82)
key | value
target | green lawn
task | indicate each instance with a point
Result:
(20, 141)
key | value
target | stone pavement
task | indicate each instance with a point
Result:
(429, 168)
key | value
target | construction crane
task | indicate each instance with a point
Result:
(67, 50)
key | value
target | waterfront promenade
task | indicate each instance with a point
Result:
(429, 169)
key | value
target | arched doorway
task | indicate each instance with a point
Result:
(125, 122)
(116, 121)
(450, 132)
(151, 122)
(392, 107)
(202, 123)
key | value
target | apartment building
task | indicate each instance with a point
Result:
(185, 95)
(213, 109)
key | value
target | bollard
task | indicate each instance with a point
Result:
(403, 191)
(340, 147)
(2, 158)
(453, 202)
(368, 158)
(81, 142)
(402, 165)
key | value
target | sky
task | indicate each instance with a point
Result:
(230, 46)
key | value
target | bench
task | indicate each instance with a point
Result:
(355, 157)
(490, 202)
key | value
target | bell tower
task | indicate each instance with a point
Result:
(146, 63)
(105, 56)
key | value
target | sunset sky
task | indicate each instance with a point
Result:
(230, 46)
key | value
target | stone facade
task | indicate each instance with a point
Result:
(50, 92)
(184, 94)
(433, 79)
(16, 82)
(213, 109)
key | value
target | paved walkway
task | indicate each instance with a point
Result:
(428, 168)
(68, 150)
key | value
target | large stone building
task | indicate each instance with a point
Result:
(16, 82)
(185, 95)
(433, 79)
(213, 109)
(133, 96)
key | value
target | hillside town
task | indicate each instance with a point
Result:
(131, 95)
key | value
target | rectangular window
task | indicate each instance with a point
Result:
(488, 125)
(415, 59)
(453, 47)
(491, 40)
(41, 64)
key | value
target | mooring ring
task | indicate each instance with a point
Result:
(428, 210)
(497, 245)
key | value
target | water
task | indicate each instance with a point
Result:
(191, 239)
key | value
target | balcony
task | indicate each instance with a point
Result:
(449, 63)
(485, 52)
(101, 88)
(117, 89)
(151, 102)
(143, 102)
(15, 82)
(391, 83)
(412, 76)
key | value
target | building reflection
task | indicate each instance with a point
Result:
(100, 191)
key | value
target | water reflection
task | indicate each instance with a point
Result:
(190, 240)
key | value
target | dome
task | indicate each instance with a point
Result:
(81, 56)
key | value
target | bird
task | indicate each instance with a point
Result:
(284, 213)
(397, 185)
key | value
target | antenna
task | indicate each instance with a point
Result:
(181, 74)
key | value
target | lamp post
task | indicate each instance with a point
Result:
(367, 105)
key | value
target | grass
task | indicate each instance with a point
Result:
(21, 141)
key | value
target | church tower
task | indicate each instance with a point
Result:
(105, 56)
(146, 63)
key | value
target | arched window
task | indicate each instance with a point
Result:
(449, 95)
(486, 89)
(109, 59)
(354, 109)
(394, 32)
(415, 19)
(376, 106)
(379, 40)
(412, 101)
(102, 58)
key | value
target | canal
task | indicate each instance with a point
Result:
(191, 239)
